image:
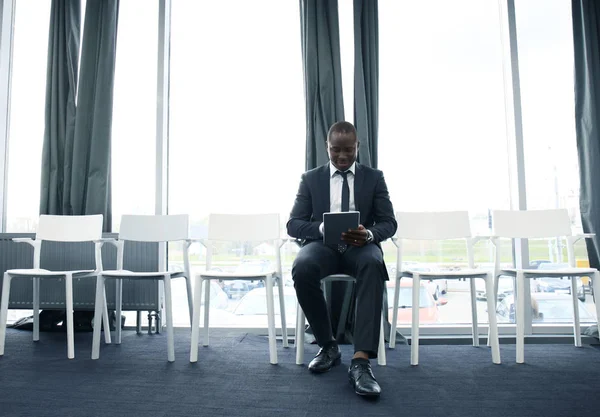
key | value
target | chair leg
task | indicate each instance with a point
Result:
(98, 307)
(271, 320)
(576, 325)
(196, 320)
(282, 312)
(381, 359)
(414, 346)
(206, 312)
(105, 317)
(392, 343)
(188, 288)
(4, 310)
(138, 322)
(299, 341)
(474, 321)
(520, 317)
(347, 300)
(69, 315)
(169, 312)
(493, 341)
(118, 308)
(596, 289)
(495, 282)
(36, 309)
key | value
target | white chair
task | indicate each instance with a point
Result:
(58, 229)
(441, 226)
(301, 319)
(241, 228)
(161, 229)
(539, 224)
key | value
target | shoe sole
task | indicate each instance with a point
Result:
(363, 394)
(368, 395)
(321, 371)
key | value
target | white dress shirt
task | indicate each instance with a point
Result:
(336, 182)
(335, 188)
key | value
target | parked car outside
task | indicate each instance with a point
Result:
(505, 287)
(556, 284)
(428, 307)
(536, 264)
(236, 289)
(436, 287)
(546, 308)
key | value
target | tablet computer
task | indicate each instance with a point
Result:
(334, 224)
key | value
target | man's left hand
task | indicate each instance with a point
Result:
(356, 237)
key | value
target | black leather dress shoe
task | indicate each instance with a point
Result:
(362, 378)
(326, 358)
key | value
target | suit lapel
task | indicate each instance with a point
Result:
(325, 195)
(358, 182)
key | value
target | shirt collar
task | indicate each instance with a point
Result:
(333, 169)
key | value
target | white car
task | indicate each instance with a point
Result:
(546, 308)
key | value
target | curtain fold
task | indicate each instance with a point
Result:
(366, 79)
(586, 42)
(61, 87)
(324, 101)
(90, 177)
(322, 74)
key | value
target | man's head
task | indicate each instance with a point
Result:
(342, 145)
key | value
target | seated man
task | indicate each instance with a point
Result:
(343, 185)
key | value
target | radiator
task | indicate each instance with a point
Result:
(57, 256)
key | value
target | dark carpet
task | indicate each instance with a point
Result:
(233, 378)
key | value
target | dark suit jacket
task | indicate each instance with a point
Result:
(371, 199)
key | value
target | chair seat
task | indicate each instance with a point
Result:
(122, 273)
(44, 273)
(462, 273)
(235, 275)
(564, 272)
(338, 277)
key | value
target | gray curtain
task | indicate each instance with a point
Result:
(324, 101)
(586, 42)
(322, 74)
(366, 79)
(61, 87)
(90, 177)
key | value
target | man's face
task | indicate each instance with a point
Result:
(342, 148)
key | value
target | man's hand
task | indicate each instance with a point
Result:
(356, 237)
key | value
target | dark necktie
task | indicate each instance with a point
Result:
(345, 202)
(345, 191)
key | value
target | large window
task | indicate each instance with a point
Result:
(134, 110)
(26, 129)
(237, 136)
(545, 41)
(442, 136)
(26, 134)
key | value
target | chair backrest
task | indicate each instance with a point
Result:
(531, 223)
(244, 227)
(438, 225)
(69, 228)
(154, 228)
